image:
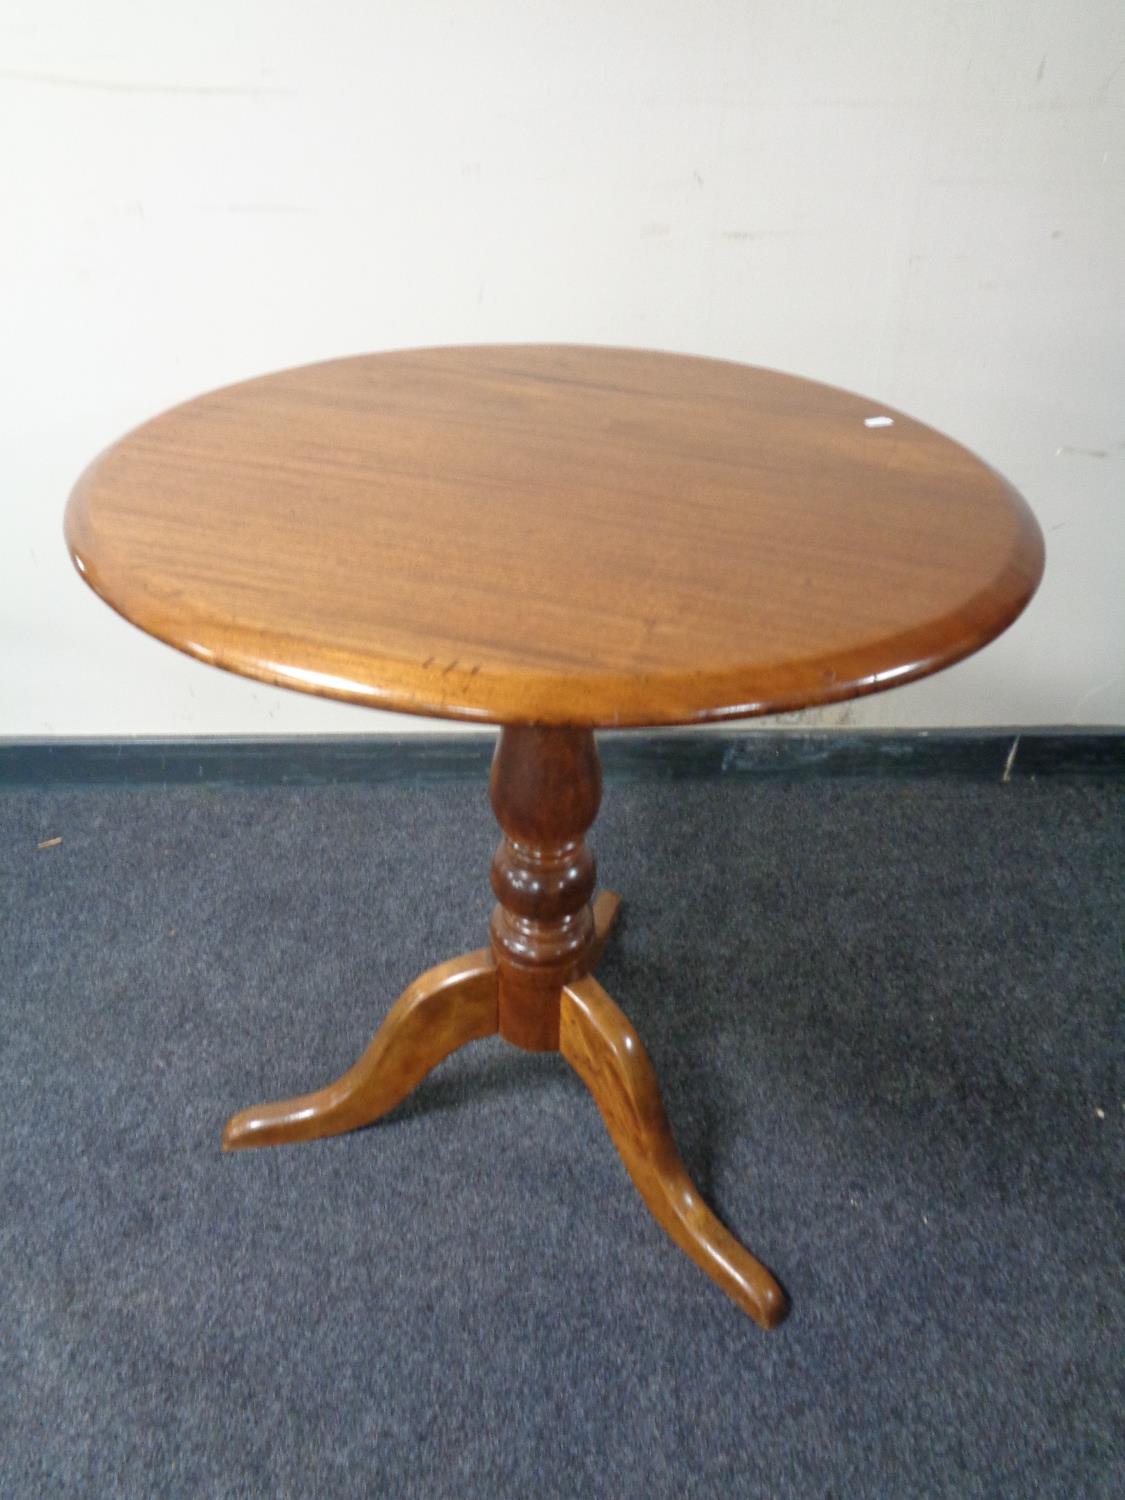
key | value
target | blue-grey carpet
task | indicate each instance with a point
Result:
(886, 1020)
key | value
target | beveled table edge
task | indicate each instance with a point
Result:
(528, 697)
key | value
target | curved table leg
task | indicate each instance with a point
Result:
(606, 905)
(606, 1053)
(443, 1009)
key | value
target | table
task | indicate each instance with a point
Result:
(557, 540)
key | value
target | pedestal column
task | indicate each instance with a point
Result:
(546, 788)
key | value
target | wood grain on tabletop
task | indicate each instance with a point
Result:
(555, 535)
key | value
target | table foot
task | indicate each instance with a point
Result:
(607, 1054)
(443, 1009)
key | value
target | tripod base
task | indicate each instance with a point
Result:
(457, 1002)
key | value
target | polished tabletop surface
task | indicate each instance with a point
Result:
(556, 535)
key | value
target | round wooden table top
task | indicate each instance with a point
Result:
(555, 535)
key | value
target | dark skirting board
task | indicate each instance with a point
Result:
(325, 760)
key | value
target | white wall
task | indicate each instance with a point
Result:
(923, 200)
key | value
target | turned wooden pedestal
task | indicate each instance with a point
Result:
(556, 540)
(535, 987)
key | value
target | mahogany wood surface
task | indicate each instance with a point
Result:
(546, 787)
(555, 535)
(605, 906)
(555, 539)
(607, 1054)
(444, 1008)
(533, 985)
